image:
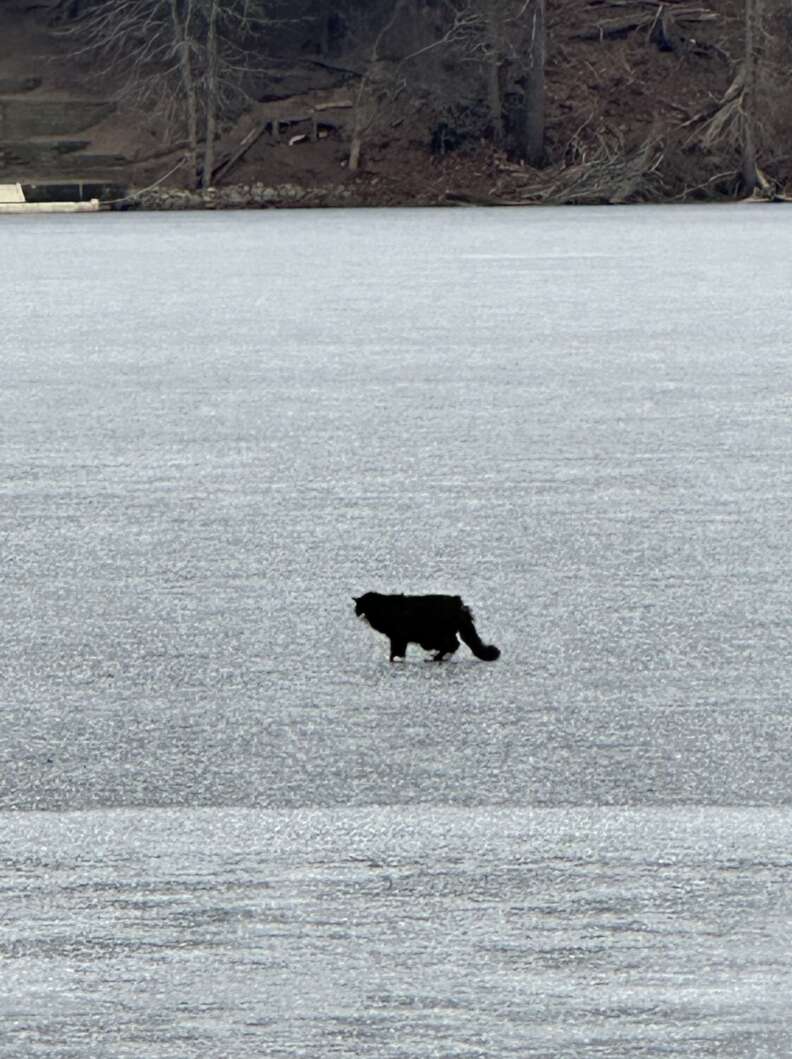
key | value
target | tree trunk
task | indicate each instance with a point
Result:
(530, 123)
(324, 28)
(366, 108)
(748, 145)
(181, 31)
(493, 71)
(212, 89)
(535, 124)
(354, 152)
(358, 124)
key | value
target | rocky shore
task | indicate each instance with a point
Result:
(254, 196)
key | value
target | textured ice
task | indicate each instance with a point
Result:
(214, 431)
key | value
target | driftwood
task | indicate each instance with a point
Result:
(606, 172)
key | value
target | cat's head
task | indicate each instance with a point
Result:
(361, 603)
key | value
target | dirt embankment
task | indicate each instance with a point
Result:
(638, 108)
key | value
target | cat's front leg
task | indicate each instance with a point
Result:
(398, 649)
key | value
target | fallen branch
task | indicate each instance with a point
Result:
(605, 172)
(720, 124)
(685, 195)
(244, 146)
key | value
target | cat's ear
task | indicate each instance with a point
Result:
(356, 599)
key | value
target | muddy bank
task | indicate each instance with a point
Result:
(294, 196)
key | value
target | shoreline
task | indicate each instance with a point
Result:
(260, 196)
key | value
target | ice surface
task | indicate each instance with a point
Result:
(392, 932)
(214, 431)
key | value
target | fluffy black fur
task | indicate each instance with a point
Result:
(431, 621)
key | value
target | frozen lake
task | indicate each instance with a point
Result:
(228, 827)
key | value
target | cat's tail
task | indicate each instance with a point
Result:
(467, 631)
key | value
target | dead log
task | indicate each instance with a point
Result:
(230, 160)
(662, 26)
(613, 27)
(334, 104)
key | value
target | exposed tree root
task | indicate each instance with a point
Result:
(721, 128)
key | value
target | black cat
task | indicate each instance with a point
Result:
(431, 621)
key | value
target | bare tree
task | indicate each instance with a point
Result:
(530, 142)
(508, 39)
(377, 89)
(183, 60)
(212, 89)
(181, 23)
(521, 57)
(389, 71)
(493, 65)
(739, 127)
(748, 117)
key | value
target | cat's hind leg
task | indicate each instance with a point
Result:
(446, 648)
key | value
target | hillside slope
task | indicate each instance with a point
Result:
(643, 102)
